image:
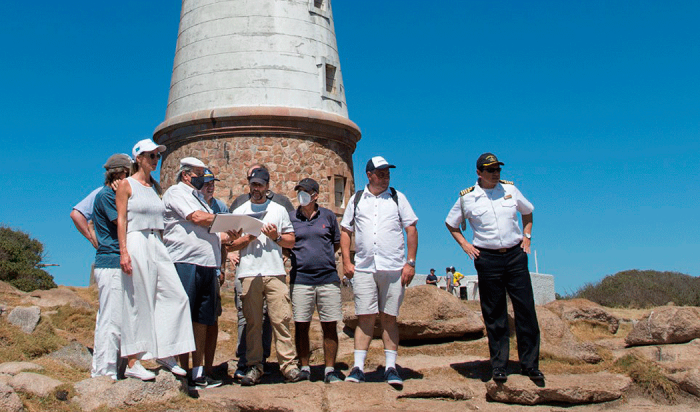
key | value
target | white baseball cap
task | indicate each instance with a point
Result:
(191, 161)
(378, 162)
(146, 145)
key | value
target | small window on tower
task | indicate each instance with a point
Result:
(319, 4)
(330, 79)
(339, 190)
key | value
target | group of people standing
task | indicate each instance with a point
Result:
(159, 269)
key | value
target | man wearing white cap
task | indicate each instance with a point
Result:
(378, 215)
(196, 254)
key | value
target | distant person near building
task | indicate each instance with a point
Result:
(449, 280)
(156, 313)
(499, 251)
(314, 277)
(431, 279)
(456, 282)
(378, 215)
(263, 277)
(108, 273)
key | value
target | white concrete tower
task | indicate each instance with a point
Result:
(260, 81)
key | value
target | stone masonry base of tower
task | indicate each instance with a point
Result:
(300, 143)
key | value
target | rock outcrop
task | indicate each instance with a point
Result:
(59, 296)
(102, 391)
(666, 324)
(569, 389)
(427, 313)
(9, 400)
(558, 341)
(25, 317)
(574, 310)
(13, 368)
(75, 355)
(34, 383)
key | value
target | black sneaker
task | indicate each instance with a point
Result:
(391, 376)
(356, 375)
(333, 377)
(206, 382)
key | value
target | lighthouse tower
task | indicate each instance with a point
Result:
(259, 81)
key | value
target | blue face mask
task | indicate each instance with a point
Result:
(197, 182)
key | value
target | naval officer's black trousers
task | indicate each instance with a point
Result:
(500, 272)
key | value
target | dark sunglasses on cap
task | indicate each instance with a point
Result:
(492, 169)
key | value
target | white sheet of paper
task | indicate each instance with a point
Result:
(250, 224)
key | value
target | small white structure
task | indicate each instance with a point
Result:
(542, 286)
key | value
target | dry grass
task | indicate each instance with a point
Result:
(590, 331)
(649, 377)
(16, 345)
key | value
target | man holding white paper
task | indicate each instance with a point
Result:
(262, 275)
(196, 254)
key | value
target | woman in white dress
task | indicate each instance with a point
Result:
(156, 314)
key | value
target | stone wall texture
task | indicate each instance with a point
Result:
(288, 158)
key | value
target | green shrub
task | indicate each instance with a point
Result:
(643, 289)
(20, 256)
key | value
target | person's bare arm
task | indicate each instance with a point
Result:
(345, 240)
(122, 199)
(467, 247)
(527, 228)
(408, 271)
(287, 239)
(200, 218)
(241, 242)
(83, 227)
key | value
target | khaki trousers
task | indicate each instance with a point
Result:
(274, 289)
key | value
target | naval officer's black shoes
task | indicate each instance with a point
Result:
(534, 374)
(499, 375)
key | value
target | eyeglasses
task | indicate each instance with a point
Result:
(492, 169)
(154, 156)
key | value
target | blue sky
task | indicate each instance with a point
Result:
(593, 106)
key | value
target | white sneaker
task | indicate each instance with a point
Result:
(139, 372)
(170, 364)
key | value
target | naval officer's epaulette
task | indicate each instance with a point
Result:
(465, 191)
(506, 182)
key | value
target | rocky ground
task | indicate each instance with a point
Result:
(594, 358)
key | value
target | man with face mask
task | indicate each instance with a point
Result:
(262, 275)
(196, 254)
(314, 277)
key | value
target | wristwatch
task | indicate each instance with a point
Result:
(528, 235)
(411, 263)
(278, 238)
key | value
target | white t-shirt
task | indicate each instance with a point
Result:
(263, 257)
(186, 241)
(379, 230)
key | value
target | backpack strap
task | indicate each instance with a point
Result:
(358, 196)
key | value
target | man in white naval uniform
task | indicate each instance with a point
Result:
(499, 250)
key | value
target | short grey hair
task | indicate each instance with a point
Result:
(184, 169)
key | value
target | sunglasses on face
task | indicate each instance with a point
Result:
(492, 169)
(153, 155)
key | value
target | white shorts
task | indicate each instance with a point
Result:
(326, 297)
(378, 292)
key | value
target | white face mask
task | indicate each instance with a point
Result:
(304, 198)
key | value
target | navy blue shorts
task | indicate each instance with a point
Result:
(200, 284)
